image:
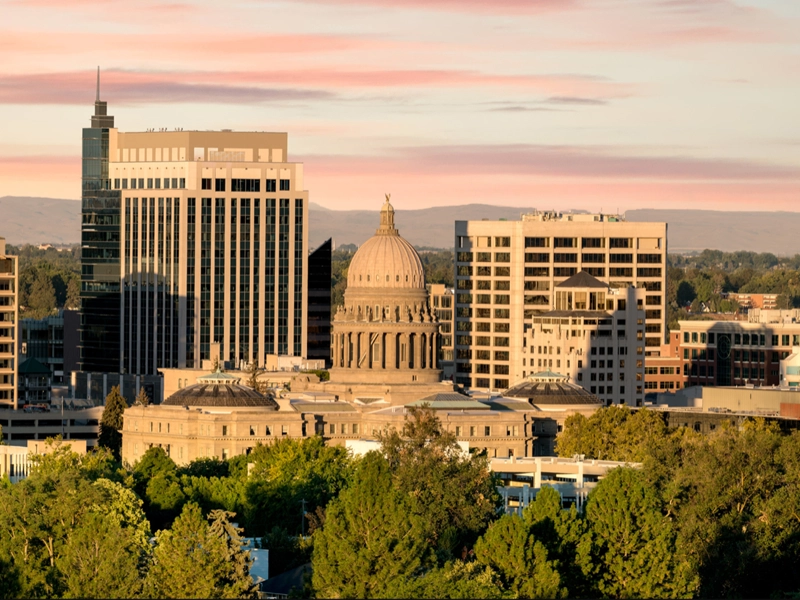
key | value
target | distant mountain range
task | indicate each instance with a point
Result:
(58, 221)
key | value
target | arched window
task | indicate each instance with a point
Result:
(397, 278)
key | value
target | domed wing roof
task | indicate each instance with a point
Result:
(220, 395)
(550, 388)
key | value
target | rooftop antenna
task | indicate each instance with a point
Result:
(97, 99)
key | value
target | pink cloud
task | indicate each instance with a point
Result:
(557, 161)
(310, 84)
(478, 6)
(198, 43)
(512, 176)
(549, 177)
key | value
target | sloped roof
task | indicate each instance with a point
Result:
(33, 367)
(582, 279)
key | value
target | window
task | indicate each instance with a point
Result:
(245, 185)
(458, 430)
(487, 430)
(271, 185)
(219, 185)
(537, 242)
(267, 430)
(224, 430)
(285, 185)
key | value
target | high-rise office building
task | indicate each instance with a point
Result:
(190, 238)
(9, 316)
(506, 272)
(319, 303)
(99, 328)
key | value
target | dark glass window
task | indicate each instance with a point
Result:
(219, 185)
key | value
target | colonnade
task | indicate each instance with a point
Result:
(377, 350)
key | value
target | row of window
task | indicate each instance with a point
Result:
(151, 183)
(246, 185)
(743, 339)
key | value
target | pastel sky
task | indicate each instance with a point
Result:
(588, 104)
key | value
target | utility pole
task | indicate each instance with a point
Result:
(303, 521)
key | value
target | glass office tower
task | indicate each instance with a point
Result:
(100, 249)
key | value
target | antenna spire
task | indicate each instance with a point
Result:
(98, 85)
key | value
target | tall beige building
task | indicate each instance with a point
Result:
(9, 316)
(191, 238)
(506, 272)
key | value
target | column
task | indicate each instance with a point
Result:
(417, 351)
(404, 341)
(391, 351)
(381, 339)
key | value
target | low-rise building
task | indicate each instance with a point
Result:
(35, 383)
(665, 372)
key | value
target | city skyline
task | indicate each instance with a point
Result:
(603, 105)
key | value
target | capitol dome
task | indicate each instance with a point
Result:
(386, 260)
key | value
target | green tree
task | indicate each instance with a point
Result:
(206, 467)
(73, 300)
(65, 535)
(611, 433)
(560, 531)
(510, 549)
(456, 579)
(100, 559)
(195, 560)
(454, 492)
(42, 296)
(287, 472)
(371, 541)
(630, 549)
(111, 422)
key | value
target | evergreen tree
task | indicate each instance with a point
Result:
(111, 422)
(42, 296)
(560, 531)
(371, 541)
(630, 549)
(522, 562)
(73, 301)
(236, 578)
(192, 560)
(141, 398)
(457, 579)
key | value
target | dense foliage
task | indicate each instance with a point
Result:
(48, 279)
(696, 516)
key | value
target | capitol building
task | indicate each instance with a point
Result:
(384, 351)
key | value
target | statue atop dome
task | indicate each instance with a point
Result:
(387, 219)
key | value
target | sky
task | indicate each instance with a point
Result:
(600, 105)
